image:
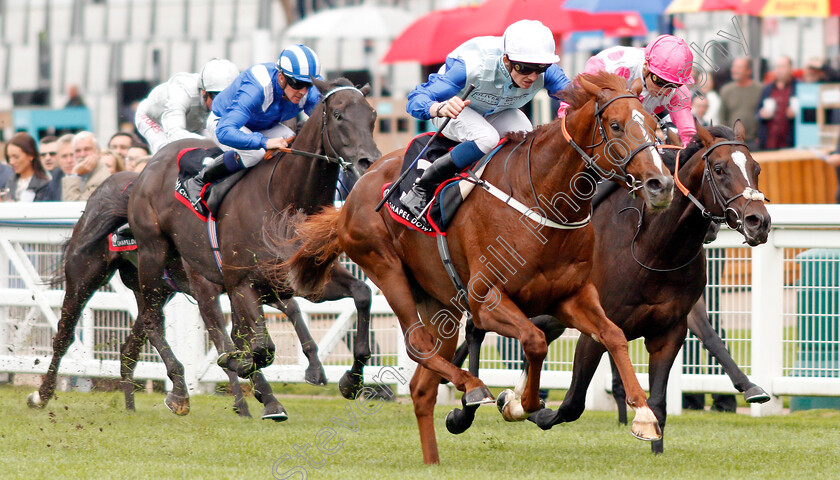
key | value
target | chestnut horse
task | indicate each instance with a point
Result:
(89, 264)
(650, 269)
(341, 126)
(552, 265)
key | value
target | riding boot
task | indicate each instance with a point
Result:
(424, 187)
(218, 169)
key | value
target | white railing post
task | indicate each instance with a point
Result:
(185, 334)
(767, 322)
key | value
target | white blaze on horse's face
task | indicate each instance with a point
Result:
(639, 118)
(741, 160)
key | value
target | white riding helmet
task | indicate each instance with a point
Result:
(529, 41)
(217, 74)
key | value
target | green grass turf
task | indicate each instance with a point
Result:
(89, 435)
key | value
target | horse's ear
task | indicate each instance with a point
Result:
(321, 85)
(588, 86)
(365, 90)
(704, 135)
(738, 128)
(636, 87)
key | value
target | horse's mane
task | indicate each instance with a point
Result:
(577, 97)
(695, 145)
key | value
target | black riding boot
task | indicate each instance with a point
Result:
(215, 170)
(424, 187)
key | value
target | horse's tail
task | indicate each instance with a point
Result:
(106, 209)
(309, 268)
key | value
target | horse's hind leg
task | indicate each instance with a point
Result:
(459, 420)
(619, 394)
(207, 297)
(343, 285)
(84, 274)
(314, 374)
(663, 350)
(698, 323)
(129, 353)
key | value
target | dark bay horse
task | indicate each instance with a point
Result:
(89, 264)
(341, 126)
(552, 264)
(650, 269)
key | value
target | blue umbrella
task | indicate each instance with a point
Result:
(654, 7)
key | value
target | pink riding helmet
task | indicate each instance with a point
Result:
(670, 58)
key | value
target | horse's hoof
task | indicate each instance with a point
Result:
(350, 384)
(543, 418)
(756, 394)
(177, 404)
(33, 400)
(511, 407)
(503, 399)
(275, 411)
(457, 421)
(657, 447)
(478, 396)
(315, 376)
(223, 360)
(645, 426)
(241, 409)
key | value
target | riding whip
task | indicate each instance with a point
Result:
(396, 184)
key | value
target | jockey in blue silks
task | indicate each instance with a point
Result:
(507, 72)
(246, 116)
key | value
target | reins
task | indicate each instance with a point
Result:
(338, 159)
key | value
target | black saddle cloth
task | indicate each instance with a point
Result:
(447, 199)
(190, 161)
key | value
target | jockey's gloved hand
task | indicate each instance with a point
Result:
(450, 108)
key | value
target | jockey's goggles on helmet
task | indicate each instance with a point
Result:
(296, 84)
(661, 82)
(529, 68)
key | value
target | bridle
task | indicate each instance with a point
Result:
(734, 220)
(737, 223)
(325, 138)
(590, 162)
(338, 159)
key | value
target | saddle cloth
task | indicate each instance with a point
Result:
(190, 161)
(448, 196)
(121, 240)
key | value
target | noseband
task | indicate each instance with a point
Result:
(590, 162)
(749, 193)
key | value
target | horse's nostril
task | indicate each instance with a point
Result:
(364, 163)
(752, 221)
(653, 185)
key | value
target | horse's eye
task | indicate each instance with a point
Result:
(757, 169)
(337, 115)
(718, 169)
(615, 127)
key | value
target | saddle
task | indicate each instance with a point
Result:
(190, 161)
(449, 195)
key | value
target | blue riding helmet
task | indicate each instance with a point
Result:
(299, 62)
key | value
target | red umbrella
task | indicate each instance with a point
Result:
(432, 37)
(429, 39)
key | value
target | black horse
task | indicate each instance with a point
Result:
(650, 289)
(341, 126)
(89, 264)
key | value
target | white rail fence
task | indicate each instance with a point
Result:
(778, 306)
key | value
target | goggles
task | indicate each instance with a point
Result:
(661, 82)
(529, 68)
(296, 84)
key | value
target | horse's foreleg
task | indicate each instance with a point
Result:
(700, 326)
(459, 420)
(586, 314)
(84, 275)
(663, 350)
(504, 317)
(619, 394)
(424, 385)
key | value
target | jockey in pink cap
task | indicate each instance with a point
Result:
(664, 69)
